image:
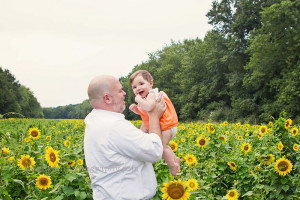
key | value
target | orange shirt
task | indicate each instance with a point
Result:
(169, 118)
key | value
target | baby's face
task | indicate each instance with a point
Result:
(140, 86)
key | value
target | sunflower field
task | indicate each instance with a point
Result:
(44, 159)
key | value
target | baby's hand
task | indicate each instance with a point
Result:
(133, 108)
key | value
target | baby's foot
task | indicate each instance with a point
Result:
(177, 160)
(175, 169)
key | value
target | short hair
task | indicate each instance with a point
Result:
(144, 73)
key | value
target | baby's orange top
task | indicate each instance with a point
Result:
(169, 118)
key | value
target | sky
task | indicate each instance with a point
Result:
(55, 47)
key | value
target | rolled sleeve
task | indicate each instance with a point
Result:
(132, 142)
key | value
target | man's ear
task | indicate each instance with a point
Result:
(107, 99)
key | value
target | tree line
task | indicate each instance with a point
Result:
(245, 69)
(17, 100)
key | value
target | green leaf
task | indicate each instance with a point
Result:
(71, 177)
(61, 197)
(55, 187)
(68, 190)
(259, 186)
(285, 187)
(77, 193)
(249, 193)
(82, 195)
(20, 182)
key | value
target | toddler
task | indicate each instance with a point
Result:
(142, 82)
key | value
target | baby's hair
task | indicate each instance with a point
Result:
(144, 73)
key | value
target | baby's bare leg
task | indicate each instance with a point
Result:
(172, 161)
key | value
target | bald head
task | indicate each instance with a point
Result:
(98, 87)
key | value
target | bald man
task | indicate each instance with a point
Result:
(119, 156)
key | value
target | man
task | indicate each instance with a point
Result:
(119, 156)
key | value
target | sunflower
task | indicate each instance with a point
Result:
(175, 190)
(192, 184)
(223, 139)
(174, 145)
(43, 182)
(283, 166)
(71, 163)
(52, 157)
(240, 137)
(48, 137)
(26, 161)
(296, 147)
(263, 129)
(67, 143)
(260, 135)
(202, 141)
(225, 123)
(5, 151)
(288, 123)
(270, 123)
(232, 165)
(280, 146)
(267, 160)
(210, 128)
(182, 140)
(34, 133)
(190, 159)
(232, 194)
(295, 131)
(11, 158)
(246, 147)
(79, 162)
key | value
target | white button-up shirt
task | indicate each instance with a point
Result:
(119, 157)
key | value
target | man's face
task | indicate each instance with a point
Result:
(118, 96)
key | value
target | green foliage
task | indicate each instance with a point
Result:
(245, 69)
(17, 98)
(67, 181)
(78, 111)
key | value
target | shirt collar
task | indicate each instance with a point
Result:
(106, 112)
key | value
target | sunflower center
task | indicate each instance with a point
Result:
(202, 142)
(52, 157)
(246, 147)
(192, 185)
(232, 164)
(283, 166)
(176, 191)
(26, 162)
(34, 133)
(190, 159)
(287, 123)
(232, 194)
(263, 130)
(44, 181)
(172, 147)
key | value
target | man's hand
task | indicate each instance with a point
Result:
(155, 115)
(159, 108)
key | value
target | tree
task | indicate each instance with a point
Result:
(274, 68)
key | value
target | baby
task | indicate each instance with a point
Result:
(142, 82)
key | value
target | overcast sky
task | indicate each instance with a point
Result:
(55, 47)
